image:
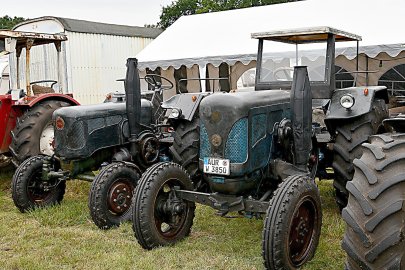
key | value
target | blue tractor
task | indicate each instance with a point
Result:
(259, 151)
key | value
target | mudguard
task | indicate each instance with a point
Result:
(363, 96)
(188, 104)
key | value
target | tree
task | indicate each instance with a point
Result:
(7, 22)
(175, 10)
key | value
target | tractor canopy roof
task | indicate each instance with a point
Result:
(306, 35)
(22, 39)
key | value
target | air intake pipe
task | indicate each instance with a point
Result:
(133, 102)
(301, 105)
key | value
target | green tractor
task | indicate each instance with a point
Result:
(259, 151)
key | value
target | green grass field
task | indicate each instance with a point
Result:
(64, 237)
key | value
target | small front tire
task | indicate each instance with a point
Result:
(111, 195)
(159, 217)
(29, 191)
(292, 225)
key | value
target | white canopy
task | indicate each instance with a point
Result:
(226, 36)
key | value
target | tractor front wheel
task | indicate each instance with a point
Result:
(33, 133)
(160, 218)
(30, 191)
(111, 194)
(293, 224)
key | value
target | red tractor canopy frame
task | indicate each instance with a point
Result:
(26, 111)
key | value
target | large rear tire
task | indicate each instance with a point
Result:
(33, 133)
(350, 135)
(375, 214)
(111, 194)
(159, 217)
(185, 150)
(29, 191)
(292, 225)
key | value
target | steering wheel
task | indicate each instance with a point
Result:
(285, 71)
(46, 81)
(151, 80)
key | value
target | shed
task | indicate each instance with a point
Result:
(94, 55)
(219, 43)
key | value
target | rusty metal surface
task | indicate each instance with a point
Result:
(19, 35)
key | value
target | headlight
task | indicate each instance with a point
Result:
(176, 113)
(347, 101)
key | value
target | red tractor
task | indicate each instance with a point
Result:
(26, 111)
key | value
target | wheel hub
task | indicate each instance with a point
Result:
(301, 231)
(46, 141)
(119, 198)
(4, 161)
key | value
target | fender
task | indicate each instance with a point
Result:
(188, 104)
(364, 97)
(53, 96)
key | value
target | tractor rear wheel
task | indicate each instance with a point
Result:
(159, 217)
(111, 194)
(350, 135)
(33, 133)
(30, 191)
(292, 225)
(375, 214)
(185, 150)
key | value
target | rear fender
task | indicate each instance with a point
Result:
(188, 104)
(364, 97)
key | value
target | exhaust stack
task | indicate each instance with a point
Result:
(133, 102)
(301, 105)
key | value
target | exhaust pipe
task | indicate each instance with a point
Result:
(301, 104)
(133, 102)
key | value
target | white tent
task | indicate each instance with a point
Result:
(226, 36)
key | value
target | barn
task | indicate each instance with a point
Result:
(93, 57)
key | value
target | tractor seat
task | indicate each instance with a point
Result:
(38, 89)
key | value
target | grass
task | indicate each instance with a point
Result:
(64, 237)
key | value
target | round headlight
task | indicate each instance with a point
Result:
(347, 101)
(175, 113)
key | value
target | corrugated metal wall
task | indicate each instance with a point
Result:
(95, 62)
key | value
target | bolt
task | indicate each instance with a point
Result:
(115, 200)
(125, 205)
(128, 196)
(125, 189)
(118, 207)
(118, 191)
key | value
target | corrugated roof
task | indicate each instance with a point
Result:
(82, 26)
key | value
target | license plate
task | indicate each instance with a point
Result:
(216, 166)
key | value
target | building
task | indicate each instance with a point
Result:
(94, 55)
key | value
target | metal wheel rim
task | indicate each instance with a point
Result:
(302, 230)
(120, 196)
(47, 140)
(4, 161)
(164, 225)
(35, 190)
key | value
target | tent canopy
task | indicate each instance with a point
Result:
(226, 36)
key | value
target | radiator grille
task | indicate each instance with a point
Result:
(236, 148)
(205, 147)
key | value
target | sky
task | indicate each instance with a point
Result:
(126, 12)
